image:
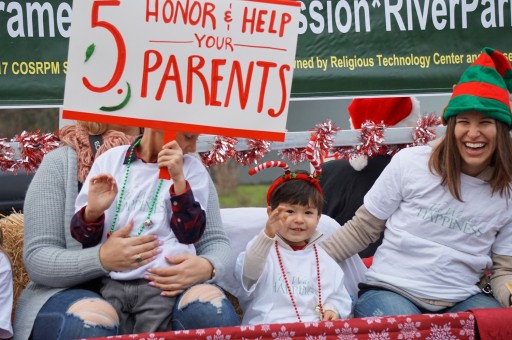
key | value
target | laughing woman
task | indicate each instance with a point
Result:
(446, 209)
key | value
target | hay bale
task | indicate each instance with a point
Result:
(12, 228)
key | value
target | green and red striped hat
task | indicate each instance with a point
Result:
(484, 87)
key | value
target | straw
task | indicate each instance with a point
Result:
(12, 228)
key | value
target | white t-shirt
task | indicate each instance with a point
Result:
(435, 247)
(138, 196)
(6, 298)
(268, 301)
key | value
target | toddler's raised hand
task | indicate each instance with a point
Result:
(102, 192)
(276, 220)
(171, 157)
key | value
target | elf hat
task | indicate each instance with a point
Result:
(392, 112)
(484, 87)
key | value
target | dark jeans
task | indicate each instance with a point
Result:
(54, 322)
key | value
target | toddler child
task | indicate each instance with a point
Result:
(285, 276)
(173, 211)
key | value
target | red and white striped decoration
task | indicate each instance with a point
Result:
(312, 155)
(269, 164)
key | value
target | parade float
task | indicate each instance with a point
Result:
(230, 74)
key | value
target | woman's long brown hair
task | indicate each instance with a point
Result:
(447, 162)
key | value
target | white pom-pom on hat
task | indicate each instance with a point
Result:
(358, 162)
(392, 112)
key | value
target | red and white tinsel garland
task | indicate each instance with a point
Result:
(7, 158)
(371, 143)
(34, 145)
(223, 148)
(372, 139)
(32, 148)
(294, 155)
(424, 132)
(256, 150)
(323, 139)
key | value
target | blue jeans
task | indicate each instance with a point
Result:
(197, 315)
(384, 302)
(53, 322)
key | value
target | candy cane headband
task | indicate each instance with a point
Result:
(288, 175)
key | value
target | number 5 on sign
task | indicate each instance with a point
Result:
(121, 48)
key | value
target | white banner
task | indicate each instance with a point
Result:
(222, 67)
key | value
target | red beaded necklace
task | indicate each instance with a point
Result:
(320, 307)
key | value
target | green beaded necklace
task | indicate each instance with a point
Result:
(147, 222)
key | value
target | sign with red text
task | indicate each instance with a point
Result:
(222, 67)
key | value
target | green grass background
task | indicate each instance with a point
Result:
(250, 195)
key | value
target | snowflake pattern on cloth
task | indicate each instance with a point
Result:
(408, 327)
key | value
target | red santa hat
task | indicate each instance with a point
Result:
(391, 111)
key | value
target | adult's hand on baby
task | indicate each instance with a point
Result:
(185, 271)
(122, 252)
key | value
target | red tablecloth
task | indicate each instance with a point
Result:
(426, 326)
(494, 324)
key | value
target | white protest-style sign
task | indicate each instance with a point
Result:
(220, 67)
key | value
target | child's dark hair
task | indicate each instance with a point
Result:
(297, 191)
